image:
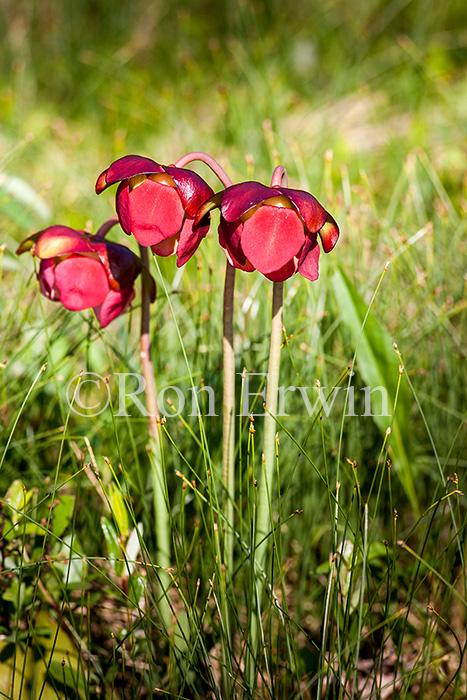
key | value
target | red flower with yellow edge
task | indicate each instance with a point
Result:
(158, 203)
(274, 230)
(82, 271)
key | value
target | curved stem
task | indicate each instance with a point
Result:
(106, 226)
(279, 177)
(207, 160)
(161, 511)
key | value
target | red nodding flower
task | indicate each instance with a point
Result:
(158, 204)
(83, 271)
(274, 230)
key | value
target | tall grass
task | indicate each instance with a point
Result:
(364, 587)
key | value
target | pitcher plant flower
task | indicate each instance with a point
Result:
(274, 230)
(158, 204)
(82, 271)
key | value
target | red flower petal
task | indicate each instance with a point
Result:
(189, 241)
(311, 211)
(121, 264)
(122, 205)
(61, 240)
(230, 235)
(156, 212)
(46, 277)
(229, 253)
(329, 233)
(191, 187)
(309, 260)
(238, 199)
(126, 167)
(272, 237)
(285, 272)
(166, 247)
(211, 203)
(81, 282)
(114, 304)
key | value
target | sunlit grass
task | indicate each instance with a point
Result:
(365, 584)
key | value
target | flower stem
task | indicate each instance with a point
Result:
(106, 226)
(161, 512)
(228, 448)
(279, 177)
(228, 443)
(263, 519)
(269, 435)
(207, 160)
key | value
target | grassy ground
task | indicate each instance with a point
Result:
(366, 591)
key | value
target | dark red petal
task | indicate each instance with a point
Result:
(81, 282)
(272, 237)
(189, 241)
(114, 304)
(156, 212)
(121, 264)
(46, 277)
(238, 199)
(309, 259)
(61, 240)
(230, 236)
(126, 167)
(191, 187)
(284, 272)
(205, 208)
(166, 247)
(329, 233)
(122, 205)
(313, 214)
(233, 259)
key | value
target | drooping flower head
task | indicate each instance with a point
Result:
(274, 230)
(158, 204)
(83, 271)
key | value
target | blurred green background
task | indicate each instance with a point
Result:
(85, 82)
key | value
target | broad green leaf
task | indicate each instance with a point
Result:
(17, 497)
(62, 513)
(112, 541)
(135, 587)
(119, 510)
(379, 367)
(42, 666)
(72, 567)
